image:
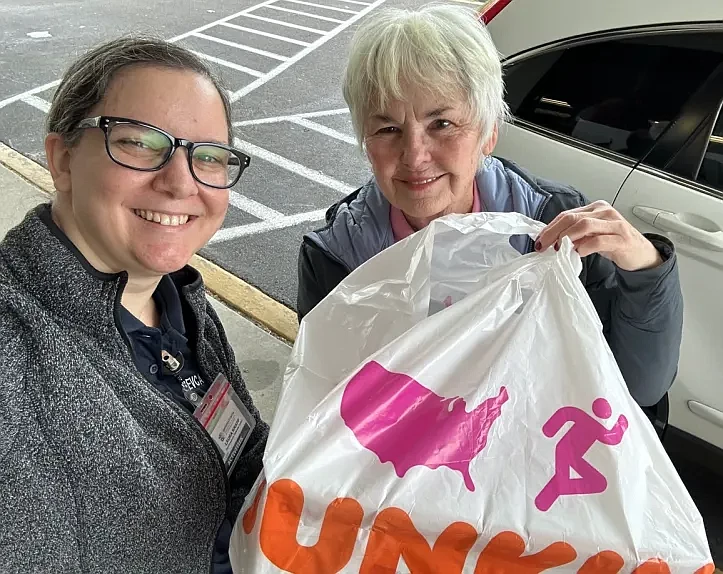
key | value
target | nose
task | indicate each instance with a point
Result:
(415, 148)
(175, 178)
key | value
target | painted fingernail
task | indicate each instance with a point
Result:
(538, 245)
(557, 246)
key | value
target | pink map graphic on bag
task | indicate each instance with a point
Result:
(405, 423)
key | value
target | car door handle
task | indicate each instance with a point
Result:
(700, 229)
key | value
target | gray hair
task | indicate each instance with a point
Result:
(442, 49)
(86, 82)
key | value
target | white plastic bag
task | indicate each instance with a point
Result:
(453, 407)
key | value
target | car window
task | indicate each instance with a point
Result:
(619, 95)
(711, 170)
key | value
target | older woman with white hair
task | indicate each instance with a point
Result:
(426, 96)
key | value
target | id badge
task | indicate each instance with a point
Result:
(226, 419)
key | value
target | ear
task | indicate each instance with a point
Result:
(489, 147)
(58, 155)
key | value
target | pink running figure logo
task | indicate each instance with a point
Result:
(573, 446)
(405, 423)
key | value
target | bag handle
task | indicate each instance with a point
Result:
(503, 224)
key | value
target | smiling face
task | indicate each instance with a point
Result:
(146, 223)
(424, 154)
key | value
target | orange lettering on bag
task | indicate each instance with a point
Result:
(394, 536)
(606, 562)
(652, 566)
(707, 569)
(280, 523)
(249, 519)
(504, 554)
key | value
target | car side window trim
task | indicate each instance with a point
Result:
(610, 35)
(684, 157)
(714, 137)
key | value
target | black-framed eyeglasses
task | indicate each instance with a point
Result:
(143, 147)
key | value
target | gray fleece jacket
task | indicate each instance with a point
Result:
(99, 472)
(641, 311)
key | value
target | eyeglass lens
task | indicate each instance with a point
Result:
(142, 147)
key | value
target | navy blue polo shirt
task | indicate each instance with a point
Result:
(182, 385)
(149, 342)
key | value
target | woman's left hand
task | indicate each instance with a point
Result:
(599, 228)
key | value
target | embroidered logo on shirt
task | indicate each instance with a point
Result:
(191, 383)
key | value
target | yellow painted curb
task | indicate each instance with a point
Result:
(27, 169)
(247, 299)
(236, 293)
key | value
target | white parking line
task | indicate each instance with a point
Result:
(321, 114)
(322, 6)
(36, 102)
(228, 64)
(324, 130)
(241, 47)
(276, 119)
(261, 78)
(252, 207)
(287, 24)
(300, 13)
(37, 90)
(305, 172)
(220, 21)
(231, 233)
(270, 218)
(325, 38)
(267, 34)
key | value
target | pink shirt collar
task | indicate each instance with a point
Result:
(401, 228)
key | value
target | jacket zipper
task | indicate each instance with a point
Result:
(205, 436)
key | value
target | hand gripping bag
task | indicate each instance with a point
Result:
(453, 406)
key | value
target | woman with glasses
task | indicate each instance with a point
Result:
(115, 454)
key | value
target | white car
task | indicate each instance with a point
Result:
(622, 100)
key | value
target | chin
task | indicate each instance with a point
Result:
(165, 263)
(424, 209)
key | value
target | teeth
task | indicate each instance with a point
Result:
(431, 179)
(162, 218)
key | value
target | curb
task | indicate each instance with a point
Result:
(234, 292)
(247, 299)
(26, 168)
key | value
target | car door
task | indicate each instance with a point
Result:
(656, 147)
(683, 200)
